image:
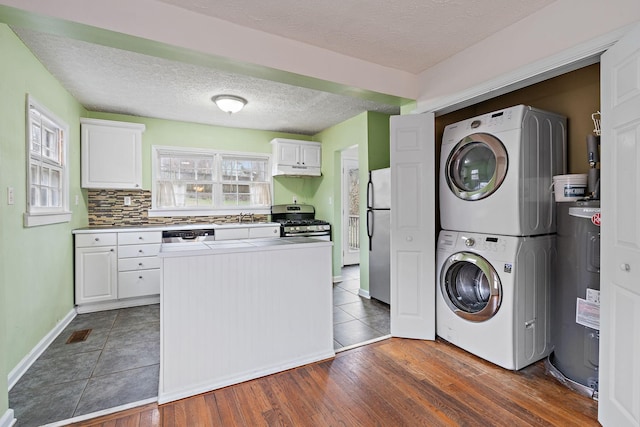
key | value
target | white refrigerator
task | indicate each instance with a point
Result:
(378, 231)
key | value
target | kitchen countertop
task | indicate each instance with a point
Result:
(242, 245)
(163, 227)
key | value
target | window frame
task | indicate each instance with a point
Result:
(38, 215)
(217, 181)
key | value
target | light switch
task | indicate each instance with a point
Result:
(10, 197)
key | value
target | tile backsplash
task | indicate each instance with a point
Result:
(106, 208)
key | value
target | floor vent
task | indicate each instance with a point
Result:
(78, 336)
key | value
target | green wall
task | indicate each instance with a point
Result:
(37, 262)
(370, 132)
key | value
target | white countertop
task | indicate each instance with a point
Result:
(244, 245)
(163, 227)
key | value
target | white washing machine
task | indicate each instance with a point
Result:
(496, 172)
(493, 295)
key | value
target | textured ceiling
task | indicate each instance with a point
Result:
(106, 79)
(408, 35)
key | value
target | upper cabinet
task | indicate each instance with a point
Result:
(111, 154)
(292, 157)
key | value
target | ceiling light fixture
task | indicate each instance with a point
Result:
(229, 103)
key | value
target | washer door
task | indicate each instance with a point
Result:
(476, 166)
(470, 286)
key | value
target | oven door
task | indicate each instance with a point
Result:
(322, 235)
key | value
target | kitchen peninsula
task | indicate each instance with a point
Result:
(237, 310)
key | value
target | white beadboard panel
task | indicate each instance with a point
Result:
(230, 317)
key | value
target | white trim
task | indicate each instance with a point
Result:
(360, 344)
(337, 279)
(113, 305)
(364, 293)
(7, 419)
(102, 413)
(31, 220)
(28, 360)
(571, 59)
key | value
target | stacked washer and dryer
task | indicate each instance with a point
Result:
(496, 253)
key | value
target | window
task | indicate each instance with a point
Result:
(199, 181)
(47, 169)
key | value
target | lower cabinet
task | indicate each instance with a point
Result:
(96, 273)
(114, 270)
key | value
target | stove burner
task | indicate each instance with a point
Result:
(299, 222)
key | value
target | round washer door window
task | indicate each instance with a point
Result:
(476, 166)
(471, 287)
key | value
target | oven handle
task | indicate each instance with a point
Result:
(307, 234)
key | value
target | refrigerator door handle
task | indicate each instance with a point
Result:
(369, 192)
(370, 227)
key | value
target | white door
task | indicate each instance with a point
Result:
(413, 234)
(350, 211)
(619, 388)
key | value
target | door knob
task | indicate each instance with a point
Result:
(625, 267)
(409, 239)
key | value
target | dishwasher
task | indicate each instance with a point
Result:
(187, 236)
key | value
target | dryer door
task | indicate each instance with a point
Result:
(470, 286)
(476, 166)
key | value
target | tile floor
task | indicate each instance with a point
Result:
(119, 361)
(356, 319)
(117, 364)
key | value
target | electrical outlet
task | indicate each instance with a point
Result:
(10, 196)
(127, 200)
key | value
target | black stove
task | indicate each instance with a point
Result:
(299, 220)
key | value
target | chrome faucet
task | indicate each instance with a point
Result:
(241, 216)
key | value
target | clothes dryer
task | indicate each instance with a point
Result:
(493, 295)
(496, 172)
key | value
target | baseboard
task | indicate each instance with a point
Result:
(364, 294)
(114, 305)
(20, 369)
(7, 419)
(102, 413)
(337, 279)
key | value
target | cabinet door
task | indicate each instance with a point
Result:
(311, 155)
(288, 153)
(111, 156)
(231, 233)
(270, 231)
(138, 283)
(96, 274)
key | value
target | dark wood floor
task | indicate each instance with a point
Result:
(396, 382)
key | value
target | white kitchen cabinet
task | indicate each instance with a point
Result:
(111, 154)
(95, 268)
(116, 269)
(138, 264)
(293, 157)
(248, 232)
(270, 231)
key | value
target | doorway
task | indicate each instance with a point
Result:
(350, 207)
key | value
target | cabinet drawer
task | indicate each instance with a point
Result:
(140, 263)
(271, 231)
(231, 233)
(134, 251)
(141, 237)
(138, 283)
(96, 239)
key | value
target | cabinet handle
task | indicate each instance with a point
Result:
(140, 238)
(111, 250)
(139, 277)
(140, 251)
(97, 239)
(276, 231)
(625, 267)
(140, 264)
